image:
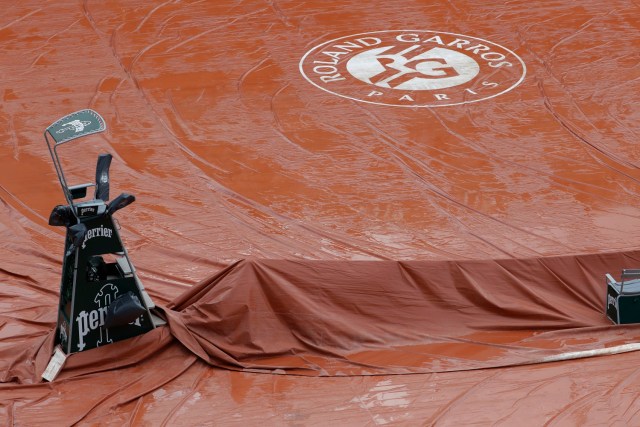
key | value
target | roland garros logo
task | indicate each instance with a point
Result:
(413, 68)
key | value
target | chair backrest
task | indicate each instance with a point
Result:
(102, 177)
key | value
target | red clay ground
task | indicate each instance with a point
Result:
(405, 248)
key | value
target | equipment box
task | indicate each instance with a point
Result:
(623, 298)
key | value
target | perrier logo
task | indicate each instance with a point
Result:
(413, 68)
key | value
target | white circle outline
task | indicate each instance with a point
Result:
(300, 68)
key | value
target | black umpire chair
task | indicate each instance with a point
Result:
(102, 300)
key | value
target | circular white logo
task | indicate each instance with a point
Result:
(413, 68)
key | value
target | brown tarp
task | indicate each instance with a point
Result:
(385, 317)
(322, 260)
(340, 319)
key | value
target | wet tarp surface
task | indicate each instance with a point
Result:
(359, 213)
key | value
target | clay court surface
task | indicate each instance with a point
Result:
(350, 213)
